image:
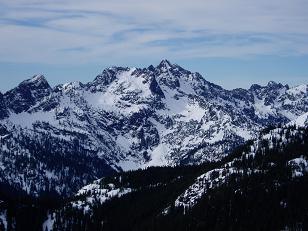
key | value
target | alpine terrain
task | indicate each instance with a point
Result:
(67, 153)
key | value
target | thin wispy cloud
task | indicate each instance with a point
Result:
(85, 31)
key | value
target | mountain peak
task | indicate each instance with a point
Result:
(275, 85)
(165, 65)
(38, 78)
(27, 93)
(37, 81)
(106, 77)
(271, 83)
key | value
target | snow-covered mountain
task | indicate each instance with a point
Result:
(268, 164)
(64, 137)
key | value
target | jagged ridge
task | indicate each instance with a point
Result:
(131, 117)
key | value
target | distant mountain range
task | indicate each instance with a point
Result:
(60, 139)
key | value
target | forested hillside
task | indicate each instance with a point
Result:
(262, 185)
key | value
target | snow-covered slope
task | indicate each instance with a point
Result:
(273, 140)
(129, 118)
(276, 158)
(301, 121)
(97, 193)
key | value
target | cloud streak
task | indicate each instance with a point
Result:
(54, 31)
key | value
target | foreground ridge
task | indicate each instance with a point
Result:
(261, 174)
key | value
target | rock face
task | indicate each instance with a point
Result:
(27, 94)
(129, 118)
(3, 109)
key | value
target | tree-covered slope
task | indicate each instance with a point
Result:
(262, 185)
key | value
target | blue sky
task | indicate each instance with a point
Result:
(233, 43)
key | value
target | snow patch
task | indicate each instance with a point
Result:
(299, 166)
